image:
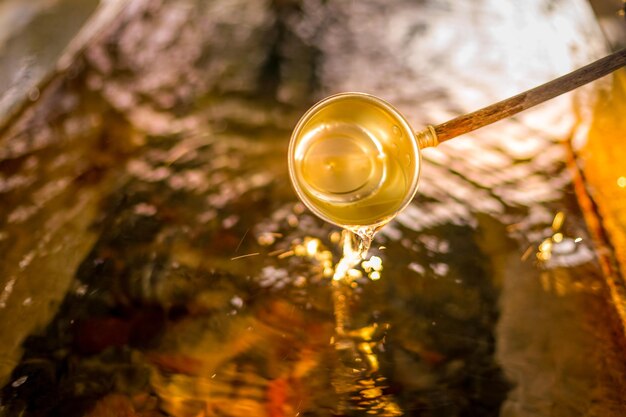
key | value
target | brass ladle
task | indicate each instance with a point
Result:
(354, 160)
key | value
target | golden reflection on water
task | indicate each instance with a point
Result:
(359, 370)
(357, 378)
(560, 251)
(357, 375)
(544, 252)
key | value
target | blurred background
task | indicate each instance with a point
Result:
(154, 260)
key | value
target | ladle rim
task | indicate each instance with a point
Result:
(412, 191)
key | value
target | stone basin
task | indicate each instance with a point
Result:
(155, 260)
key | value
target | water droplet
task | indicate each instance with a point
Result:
(396, 131)
(408, 160)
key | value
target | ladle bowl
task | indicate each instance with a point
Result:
(354, 160)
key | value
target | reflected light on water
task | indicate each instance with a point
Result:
(558, 252)
(357, 375)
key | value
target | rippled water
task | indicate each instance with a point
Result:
(157, 261)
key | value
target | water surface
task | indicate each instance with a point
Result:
(157, 261)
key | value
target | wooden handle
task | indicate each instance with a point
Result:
(510, 106)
